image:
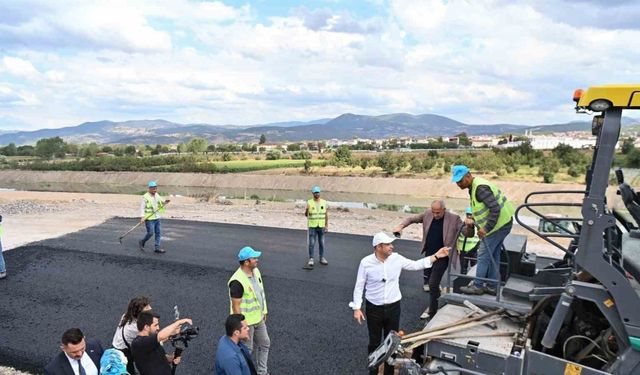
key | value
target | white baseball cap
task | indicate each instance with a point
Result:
(382, 237)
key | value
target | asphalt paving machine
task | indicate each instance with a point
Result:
(579, 315)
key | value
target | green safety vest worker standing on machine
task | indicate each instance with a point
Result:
(317, 225)
(467, 247)
(493, 215)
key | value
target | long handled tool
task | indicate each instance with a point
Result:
(145, 219)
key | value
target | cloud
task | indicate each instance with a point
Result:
(116, 25)
(209, 61)
(340, 22)
(18, 67)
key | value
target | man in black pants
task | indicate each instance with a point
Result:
(146, 348)
(378, 277)
(439, 229)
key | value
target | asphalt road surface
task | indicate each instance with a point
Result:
(85, 279)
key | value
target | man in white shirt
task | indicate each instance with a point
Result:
(78, 357)
(378, 277)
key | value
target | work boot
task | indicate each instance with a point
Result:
(490, 291)
(160, 251)
(425, 287)
(425, 314)
(141, 245)
(472, 289)
(323, 261)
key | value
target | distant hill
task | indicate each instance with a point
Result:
(345, 126)
(576, 126)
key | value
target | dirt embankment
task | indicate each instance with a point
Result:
(443, 188)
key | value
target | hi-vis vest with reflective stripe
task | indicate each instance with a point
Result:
(250, 304)
(467, 246)
(481, 212)
(317, 218)
(148, 208)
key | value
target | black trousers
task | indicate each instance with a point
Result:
(433, 277)
(380, 321)
(468, 260)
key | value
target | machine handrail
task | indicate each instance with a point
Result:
(547, 237)
(526, 199)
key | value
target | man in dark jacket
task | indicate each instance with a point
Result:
(439, 229)
(78, 356)
(233, 357)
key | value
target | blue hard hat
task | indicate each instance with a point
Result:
(315, 189)
(458, 172)
(153, 184)
(469, 211)
(247, 253)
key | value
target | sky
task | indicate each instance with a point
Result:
(65, 62)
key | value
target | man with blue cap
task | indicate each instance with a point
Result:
(317, 225)
(493, 216)
(247, 297)
(151, 207)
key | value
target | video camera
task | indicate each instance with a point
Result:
(180, 341)
(186, 334)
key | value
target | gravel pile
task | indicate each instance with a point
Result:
(11, 371)
(28, 207)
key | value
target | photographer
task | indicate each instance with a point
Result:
(127, 330)
(150, 357)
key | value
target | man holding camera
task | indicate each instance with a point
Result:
(146, 348)
(246, 294)
(233, 357)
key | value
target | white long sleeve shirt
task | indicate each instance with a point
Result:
(380, 280)
(87, 364)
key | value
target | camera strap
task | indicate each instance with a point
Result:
(125, 340)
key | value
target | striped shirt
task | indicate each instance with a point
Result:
(485, 195)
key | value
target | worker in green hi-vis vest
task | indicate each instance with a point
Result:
(467, 247)
(3, 268)
(493, 215)
(151, 206)
(317, 225)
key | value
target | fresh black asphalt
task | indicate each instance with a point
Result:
(85, 279)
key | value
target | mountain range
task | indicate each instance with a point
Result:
(345, 126)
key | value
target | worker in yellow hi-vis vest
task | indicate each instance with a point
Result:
(247, 297)
(317, 225)
(467, 247)
(151, 206)
(493, 215)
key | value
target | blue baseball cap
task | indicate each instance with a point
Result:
(458, 172)
(153, 184)
(469, 211)
(247, 252)
(315, 189)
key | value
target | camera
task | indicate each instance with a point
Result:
(186, 334)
